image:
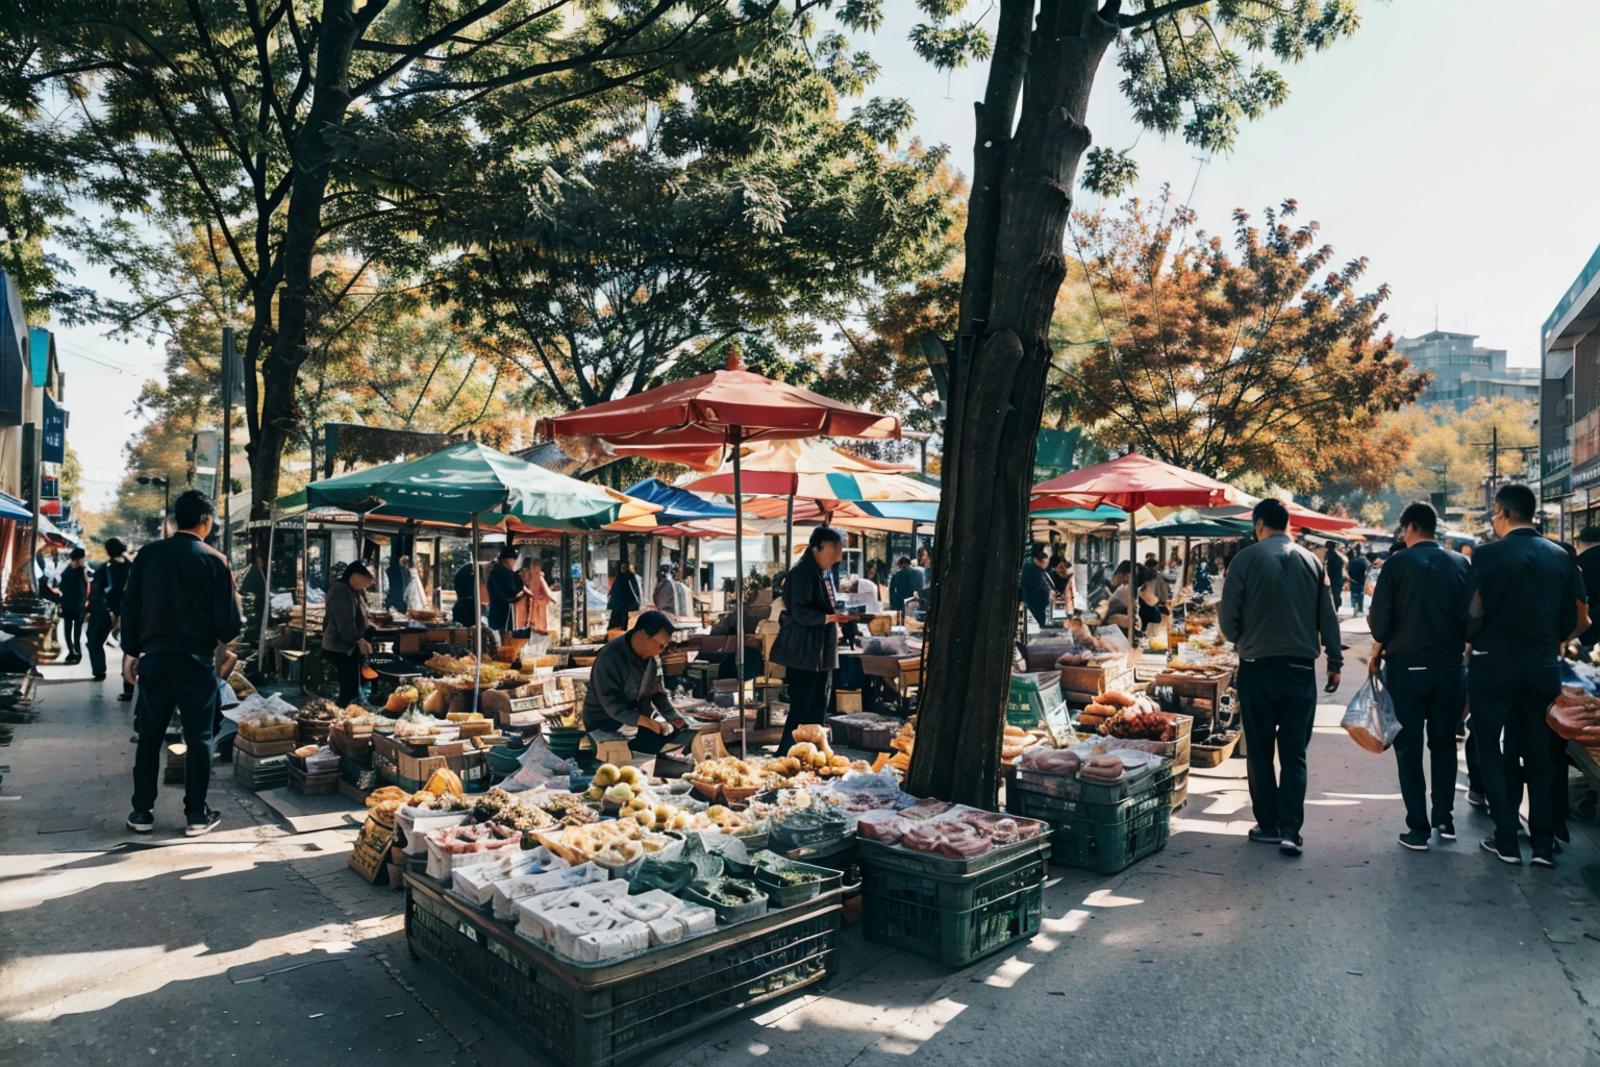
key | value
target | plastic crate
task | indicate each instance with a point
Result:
(434, 930)
(613, 1012)
(782, 895)
(1068, 788)
(903, 912)
(1104, 839)
(881, 855)
(1095, 800)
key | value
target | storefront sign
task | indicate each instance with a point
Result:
(49, 487)
(54, 449)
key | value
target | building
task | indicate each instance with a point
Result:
(1569, 439)
(1464, 372)
(32, 437)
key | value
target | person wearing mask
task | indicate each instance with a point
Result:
(1036, 585)
(1523, 603)
(347, 631)
(625, 598)
(179, 605)
(1357, 570)
(1275, 605)
(904, 584)
(808, 634)
(466, 609)
(625, 688)
(74, 586)
(398, 575)
(1420, 628)
(505, 589)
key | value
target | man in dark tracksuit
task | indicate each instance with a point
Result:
(1036, 586)
(74, 583)
(105, 603)
(1419, 622)
(1275, 605)
(1335, 569)
(1523, 599)
(179, 606)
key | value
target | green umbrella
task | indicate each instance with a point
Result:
(470, 481)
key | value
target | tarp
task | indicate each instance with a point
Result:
(470, 479)
(677, 505)
(14, 509)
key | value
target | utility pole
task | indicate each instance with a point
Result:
(228, 385)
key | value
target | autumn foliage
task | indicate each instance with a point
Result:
(1259, 356)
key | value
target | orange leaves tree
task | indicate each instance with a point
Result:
(1259, 357)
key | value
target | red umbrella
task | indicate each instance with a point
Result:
(692, 421)
(1131, 482)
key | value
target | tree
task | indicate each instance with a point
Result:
(282, 127)
(1266, 361)
(1450, 450)
(1191, 67)
(744, 206)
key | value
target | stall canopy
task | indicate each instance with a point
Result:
(814, 470)
(677, 505)
(1192, 524)
(14, 509)
(1132, 482)
(56, 535)
(470, 480)
(691, 422)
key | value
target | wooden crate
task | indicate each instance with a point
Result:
(1189, 687)
(1080, 685)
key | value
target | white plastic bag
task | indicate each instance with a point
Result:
(1369, 718)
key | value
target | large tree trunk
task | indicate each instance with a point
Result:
(314, 150)
(1016, 227)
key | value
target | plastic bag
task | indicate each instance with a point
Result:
(1369, 718)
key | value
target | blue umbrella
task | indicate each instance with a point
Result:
(677, 505)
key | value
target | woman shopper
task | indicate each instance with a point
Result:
(625, 597)
(807, 644)
(416, 592)
(533, 611)
(346, 631)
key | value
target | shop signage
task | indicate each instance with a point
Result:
(54, 449)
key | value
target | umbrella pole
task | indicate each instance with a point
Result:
(788, 536)
(305, 564)
(266, 594)
(1133, 578)
(738, 589)
(477, 619)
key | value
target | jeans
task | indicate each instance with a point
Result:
(1428, 702)
(347, 668)
(171, 681)
(99, 630)
(1278, 701)
(1358, 595)
(72, 635)
(808, 702)
(1509, 693)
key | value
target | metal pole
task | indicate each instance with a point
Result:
(1133, 577)
(477, 619)
(305, 567)
(266, 593)
(788, 537)
(738, 587)
(583, 582)
(227, 443)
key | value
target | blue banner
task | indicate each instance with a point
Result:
(54, 449)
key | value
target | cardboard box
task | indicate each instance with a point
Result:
(354, 746)
(354, 792)
(404, 761)
(370, 856)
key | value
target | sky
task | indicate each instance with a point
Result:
(1447, 141)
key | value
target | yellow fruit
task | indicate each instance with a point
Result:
(596, 792)
(631, 776)
(607, 775)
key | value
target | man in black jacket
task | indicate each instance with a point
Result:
(74, 586)
(179, 606)
(1334, 565)
(1419, 622)
(1523, 600)
(1036, 586)
(1588, 545)
(465, 606)
(1357, 570)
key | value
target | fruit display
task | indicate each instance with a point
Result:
(443, 781)
(568, 809)
(725, 819)
(402, 698)
(507, 809)
(611, 843)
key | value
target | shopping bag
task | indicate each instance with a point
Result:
(1369, 718)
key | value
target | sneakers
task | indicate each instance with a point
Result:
(1544, 857)
(1415, 840)
(1513, 856)
(1477, 800)
(1266, 837)
(1291, 845)
(126, 698)
(1447, 831)
(141, 822)
(203, 824)
(99, 677)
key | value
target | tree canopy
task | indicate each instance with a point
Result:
(1254, 356)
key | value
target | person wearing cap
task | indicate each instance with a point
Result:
(625, 688)
(346, 630)
(505, 589)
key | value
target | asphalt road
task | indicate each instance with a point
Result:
(257, 945)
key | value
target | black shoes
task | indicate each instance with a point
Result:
(99, 677)
(1477, 800)
(1512, 856)
(203, 824)
(1544, 857)
(1290, 845)
(1447, 831)
(126, 698)
(1415, 840)
(141, 822)
(1265, 837)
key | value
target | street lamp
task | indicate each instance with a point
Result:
(165, 484)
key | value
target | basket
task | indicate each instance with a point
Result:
(1213, 755)
(847, 701)
(1104, 838)
(783, 895)
(954, 920)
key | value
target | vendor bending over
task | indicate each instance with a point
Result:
(625, 684)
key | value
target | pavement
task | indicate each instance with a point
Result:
(257, 945)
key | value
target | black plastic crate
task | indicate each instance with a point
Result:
(955, 938)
